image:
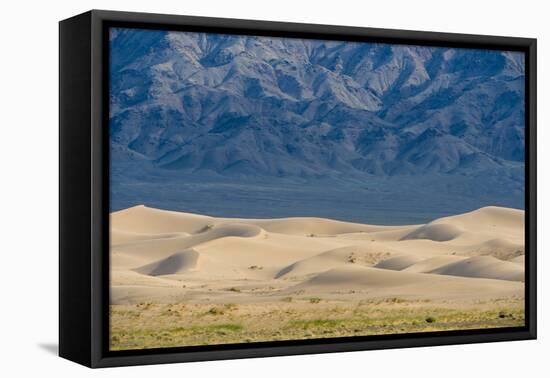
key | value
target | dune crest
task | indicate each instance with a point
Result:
(488, 217)
(142, 219)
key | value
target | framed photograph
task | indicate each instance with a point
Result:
(234, 188)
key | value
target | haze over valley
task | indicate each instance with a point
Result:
(392, 125)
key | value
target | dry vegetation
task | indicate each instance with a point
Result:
(168, 325)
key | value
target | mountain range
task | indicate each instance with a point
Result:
(280, 106)
(186, 105)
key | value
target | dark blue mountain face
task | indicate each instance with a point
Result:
(252, 108)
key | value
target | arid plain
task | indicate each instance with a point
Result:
(181, 279)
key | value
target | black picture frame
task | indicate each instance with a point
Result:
(84, 189)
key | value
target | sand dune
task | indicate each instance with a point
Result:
(131, 278)
(119, 237)
(483, 267)
(435, 232)
(141, 219)
(136, 253)
(432, 263)
(478, 266)
(315, 226)
(488, 218)
(500, 248)
(177, 263)
(317, 263)
(146, 220)
(155, 253)
(364, 255)
(382, 283)
(399, 262)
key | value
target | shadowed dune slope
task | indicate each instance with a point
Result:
(483, 267)
(497, 221)
(339, 257)
(381, 282)
(500, 248)
(173, 264)
(432, 263)
(436, 232)
(398, 262)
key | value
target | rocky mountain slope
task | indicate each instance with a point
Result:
(279, 107)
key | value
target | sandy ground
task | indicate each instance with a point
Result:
(161, 258)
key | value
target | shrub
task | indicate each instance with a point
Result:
(504, 315)
(216, 311)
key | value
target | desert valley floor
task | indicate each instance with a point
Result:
(180, 279)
